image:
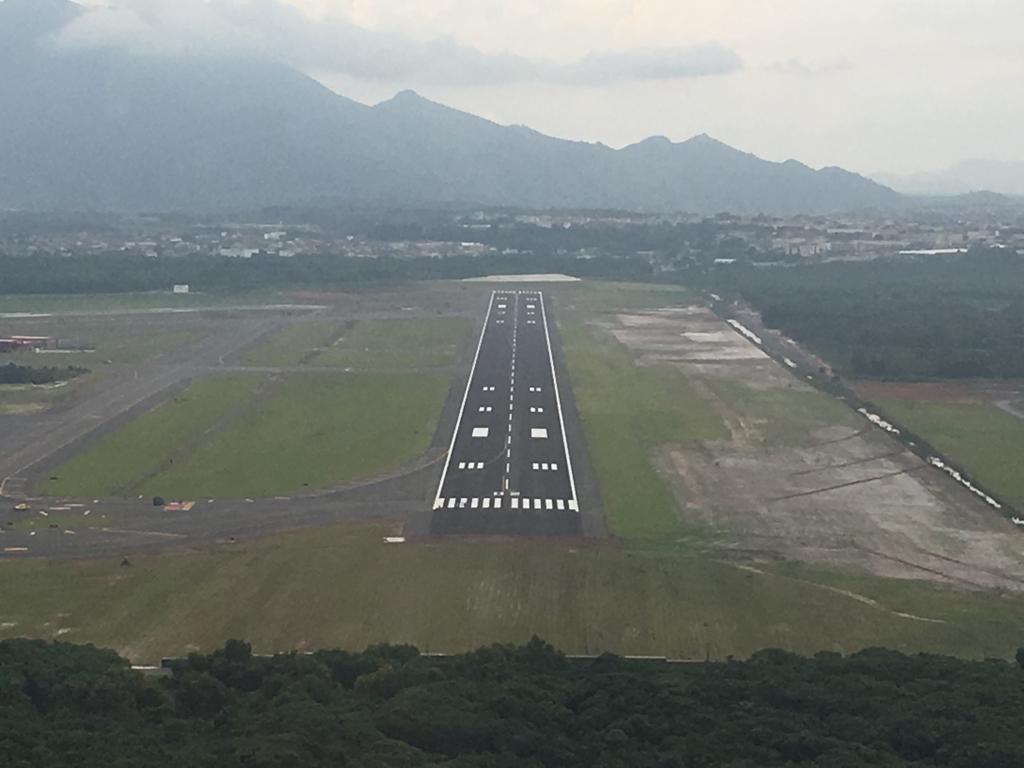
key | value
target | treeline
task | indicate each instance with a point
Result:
(24, 374)
(118, 273)
(930, 318)
(505, 707)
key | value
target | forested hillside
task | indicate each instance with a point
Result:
(65, 705)
(104, 128)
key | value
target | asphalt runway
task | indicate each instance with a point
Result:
(509, 469)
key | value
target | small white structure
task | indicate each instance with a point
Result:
(180, 288)
(238, 252)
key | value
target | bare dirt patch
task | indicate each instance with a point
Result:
(697, 342)
(689, 334)
(803, 477)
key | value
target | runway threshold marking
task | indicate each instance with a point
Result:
(465, 397)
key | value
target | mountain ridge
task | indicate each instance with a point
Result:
(968, 176)
(103, 128)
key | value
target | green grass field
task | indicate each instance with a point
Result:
(64, 521)
(983, 439)
(244, 435)
(120, 462)
(135, 348)
(30, 398)
(292, 345)
(318, 430)
(628, 412)
(341, 586)
(119, 339)
(595, 297)
(8, 408)
(783, 417)
(402, 343)
(99, 302)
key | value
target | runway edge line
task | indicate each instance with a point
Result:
(465, 397)
(558, 400)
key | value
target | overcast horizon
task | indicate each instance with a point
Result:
(880, 86)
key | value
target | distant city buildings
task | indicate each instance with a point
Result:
(667, 241)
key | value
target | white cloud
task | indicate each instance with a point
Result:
(902, 85)
(654, 64)
(333, 43)
(155, 27)
(801, 68)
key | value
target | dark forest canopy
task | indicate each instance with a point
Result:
(120, 273)
(503, 706)
(930, 318)
(897, 318)
(24, 374)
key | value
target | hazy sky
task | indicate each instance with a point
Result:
(873, 85)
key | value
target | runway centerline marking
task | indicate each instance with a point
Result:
(526, 445)
(506, 478)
